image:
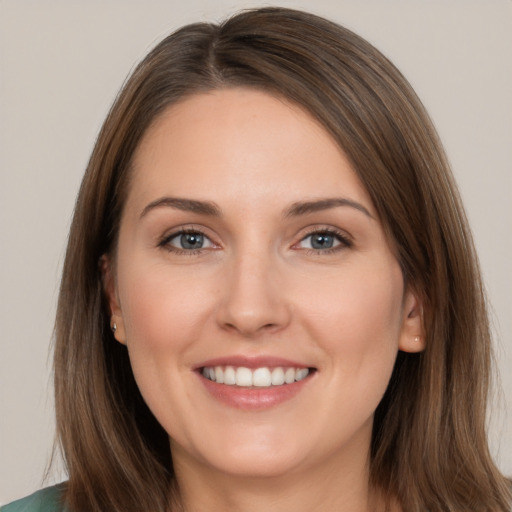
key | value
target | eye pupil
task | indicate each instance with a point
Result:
(322, 241)
(191, 240)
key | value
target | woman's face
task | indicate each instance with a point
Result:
(259, 299)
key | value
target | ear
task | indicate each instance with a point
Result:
(412, 334)
(110, 289)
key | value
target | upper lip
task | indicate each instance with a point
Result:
(252, 362)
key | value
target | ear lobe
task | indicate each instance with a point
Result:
(412, 335)
(110, 290)
(117, 327)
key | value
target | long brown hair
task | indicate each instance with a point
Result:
(429, 448)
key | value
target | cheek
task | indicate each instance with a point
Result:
(164, 315)
(358, 327)
(358, 317)
(162, 309)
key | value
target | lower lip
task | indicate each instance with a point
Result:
(253, 398)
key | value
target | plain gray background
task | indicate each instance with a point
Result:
(61, 64)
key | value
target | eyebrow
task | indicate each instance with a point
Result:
(305, 207)
(187, 205)
(211, 209)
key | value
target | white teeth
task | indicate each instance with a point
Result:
(229, 376)
(259, 377)
(277, 377)
(262, 378)
(289, 375)
(219, 375)
(301, 374)
(243, 376)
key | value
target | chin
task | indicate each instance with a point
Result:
(256, 458)
(257, 466)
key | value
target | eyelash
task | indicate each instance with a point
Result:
(165, 242)
(345, 242)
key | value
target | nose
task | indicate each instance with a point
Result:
(253, 297)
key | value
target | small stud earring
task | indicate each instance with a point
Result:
(114, 327)
(416, 338)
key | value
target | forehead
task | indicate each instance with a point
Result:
(240, 142)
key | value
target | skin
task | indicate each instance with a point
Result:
(258, 287)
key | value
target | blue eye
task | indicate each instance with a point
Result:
(190, 240)
(187, 241)
(324, 241)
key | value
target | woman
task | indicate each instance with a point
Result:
(270, 298)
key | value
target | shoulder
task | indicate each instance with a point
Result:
(45, 500)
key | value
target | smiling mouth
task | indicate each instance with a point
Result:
(263, 377)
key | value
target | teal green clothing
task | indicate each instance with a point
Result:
(45, 500)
